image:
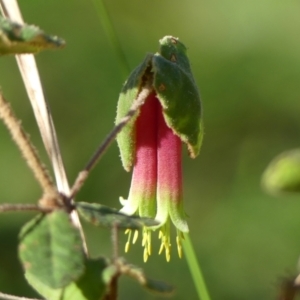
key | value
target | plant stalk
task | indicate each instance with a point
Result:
(195, 269)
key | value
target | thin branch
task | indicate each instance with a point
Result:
(43, 116)
(115, 241)
(11, 297)
(137, 103)
(112, 293)
(21, 207)
(25, 146)
(31, 79)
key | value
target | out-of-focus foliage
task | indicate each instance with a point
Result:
(245, 58)
(283, 173)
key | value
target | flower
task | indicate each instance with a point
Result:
(157, 177)
(151, 143)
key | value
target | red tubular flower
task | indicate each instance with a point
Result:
(151, 142)
(157, 176)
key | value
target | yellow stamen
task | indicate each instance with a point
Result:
(128, 232)
(149, 242)
(161, 248)
(164, 236)
(135, 236)
(168, 254)
(127, 247)
(146, 243)
(145, 256)
(144, 240)
(160, 234)
(179, 246)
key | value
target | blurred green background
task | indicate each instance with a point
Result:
(245, 56)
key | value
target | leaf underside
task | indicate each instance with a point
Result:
(101, 215)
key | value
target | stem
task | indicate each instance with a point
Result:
(115, 241)
(27, 149)
(195, 268)
(21, 207)
(137, 103)
(111, 35)
(11, 297)
(114, 288)
(112, 293)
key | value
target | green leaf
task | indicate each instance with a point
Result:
(283, 173)
(173, 82)
(178, 93)
(109, 273)
(16, 38)
(42, 289)
(90, 286)
(154, 286)
(51, 249)
(101, 215)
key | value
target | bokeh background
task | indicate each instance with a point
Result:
(245, 56)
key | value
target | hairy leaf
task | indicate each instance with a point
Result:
(51, 249)
(42, 289)
(16, 38)
(91, 285)
(101, 215)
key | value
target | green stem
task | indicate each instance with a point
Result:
(195, 268)
(111, 35)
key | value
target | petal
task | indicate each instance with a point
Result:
(142, 192)
(130, 206)
(169, 177)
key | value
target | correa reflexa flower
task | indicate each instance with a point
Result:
(151, 142)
